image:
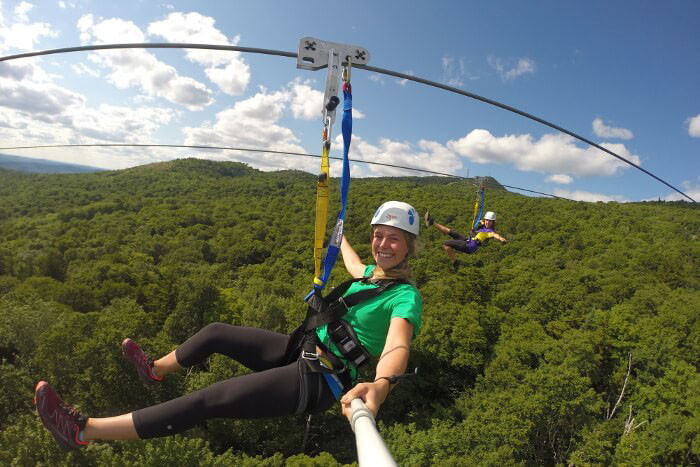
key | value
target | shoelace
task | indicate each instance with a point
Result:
(72, 411)
(142, 358)
(66, 417)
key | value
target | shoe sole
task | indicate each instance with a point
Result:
(58, 436)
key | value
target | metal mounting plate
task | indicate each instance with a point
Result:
(313, 53)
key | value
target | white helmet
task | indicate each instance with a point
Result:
(490, 216)
(397, 214)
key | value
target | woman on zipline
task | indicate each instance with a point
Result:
(479, 236)
(287, 379)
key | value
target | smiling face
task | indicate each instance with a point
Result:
(389, 246)
(488, 223)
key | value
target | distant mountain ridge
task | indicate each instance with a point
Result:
(31, 164)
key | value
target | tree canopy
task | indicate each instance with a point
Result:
(576, 343)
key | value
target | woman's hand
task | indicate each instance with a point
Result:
(393, 361)
(373, 395)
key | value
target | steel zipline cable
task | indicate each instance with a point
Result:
(230, 148)
(233, 48)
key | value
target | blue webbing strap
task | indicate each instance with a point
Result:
(334, 384)
(481, 209)
(337, 235)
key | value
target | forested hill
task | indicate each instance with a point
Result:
(31, 164)
(575, 343)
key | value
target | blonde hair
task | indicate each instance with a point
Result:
(402, 270)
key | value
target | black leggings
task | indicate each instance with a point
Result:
(461, 243)
(272, 391)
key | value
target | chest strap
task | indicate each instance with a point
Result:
(331, 309)
(325, 310)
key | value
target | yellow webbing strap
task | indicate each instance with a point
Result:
(477, 205)
(322, 192)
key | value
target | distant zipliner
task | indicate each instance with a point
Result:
(481, 231)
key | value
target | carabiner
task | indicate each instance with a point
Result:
(347, 69)
(326, 135)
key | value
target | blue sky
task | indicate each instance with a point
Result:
(623, 74)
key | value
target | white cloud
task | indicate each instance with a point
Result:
(84, 24)
(77, 123)
(35, 110)
(253, 123)
(43, 113)
(44, 101)
(579, 195)
(524, 65)
(451, 74)
(26, 88)
(21, 10)
(561, 179)
(694, 126)
(454, 72)
(552, 153)
(139, 68)
(509, 70)
(121, 124)
(602, 130)
(232, 79)
(83, 69)
(21, 34)
(226, 69)
(59, 114)
(196, 28)
(109, 31)
(306, 102)
(63, 5)
(377, 78)
(689, 188)
(402, 82)
(423, 155)
(18, 70)
(7, 120)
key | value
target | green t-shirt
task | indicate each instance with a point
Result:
(370, 319)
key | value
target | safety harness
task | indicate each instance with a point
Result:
(304, 341)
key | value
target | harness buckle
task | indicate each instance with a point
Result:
(309, 355)
(340, 299)
(317, 357)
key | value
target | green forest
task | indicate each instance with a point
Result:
(576, 343)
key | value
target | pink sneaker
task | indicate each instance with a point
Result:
(63, 421)
(143, 363)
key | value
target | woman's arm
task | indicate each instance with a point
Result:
(498, 237)
(393, 362)
(352, 261)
